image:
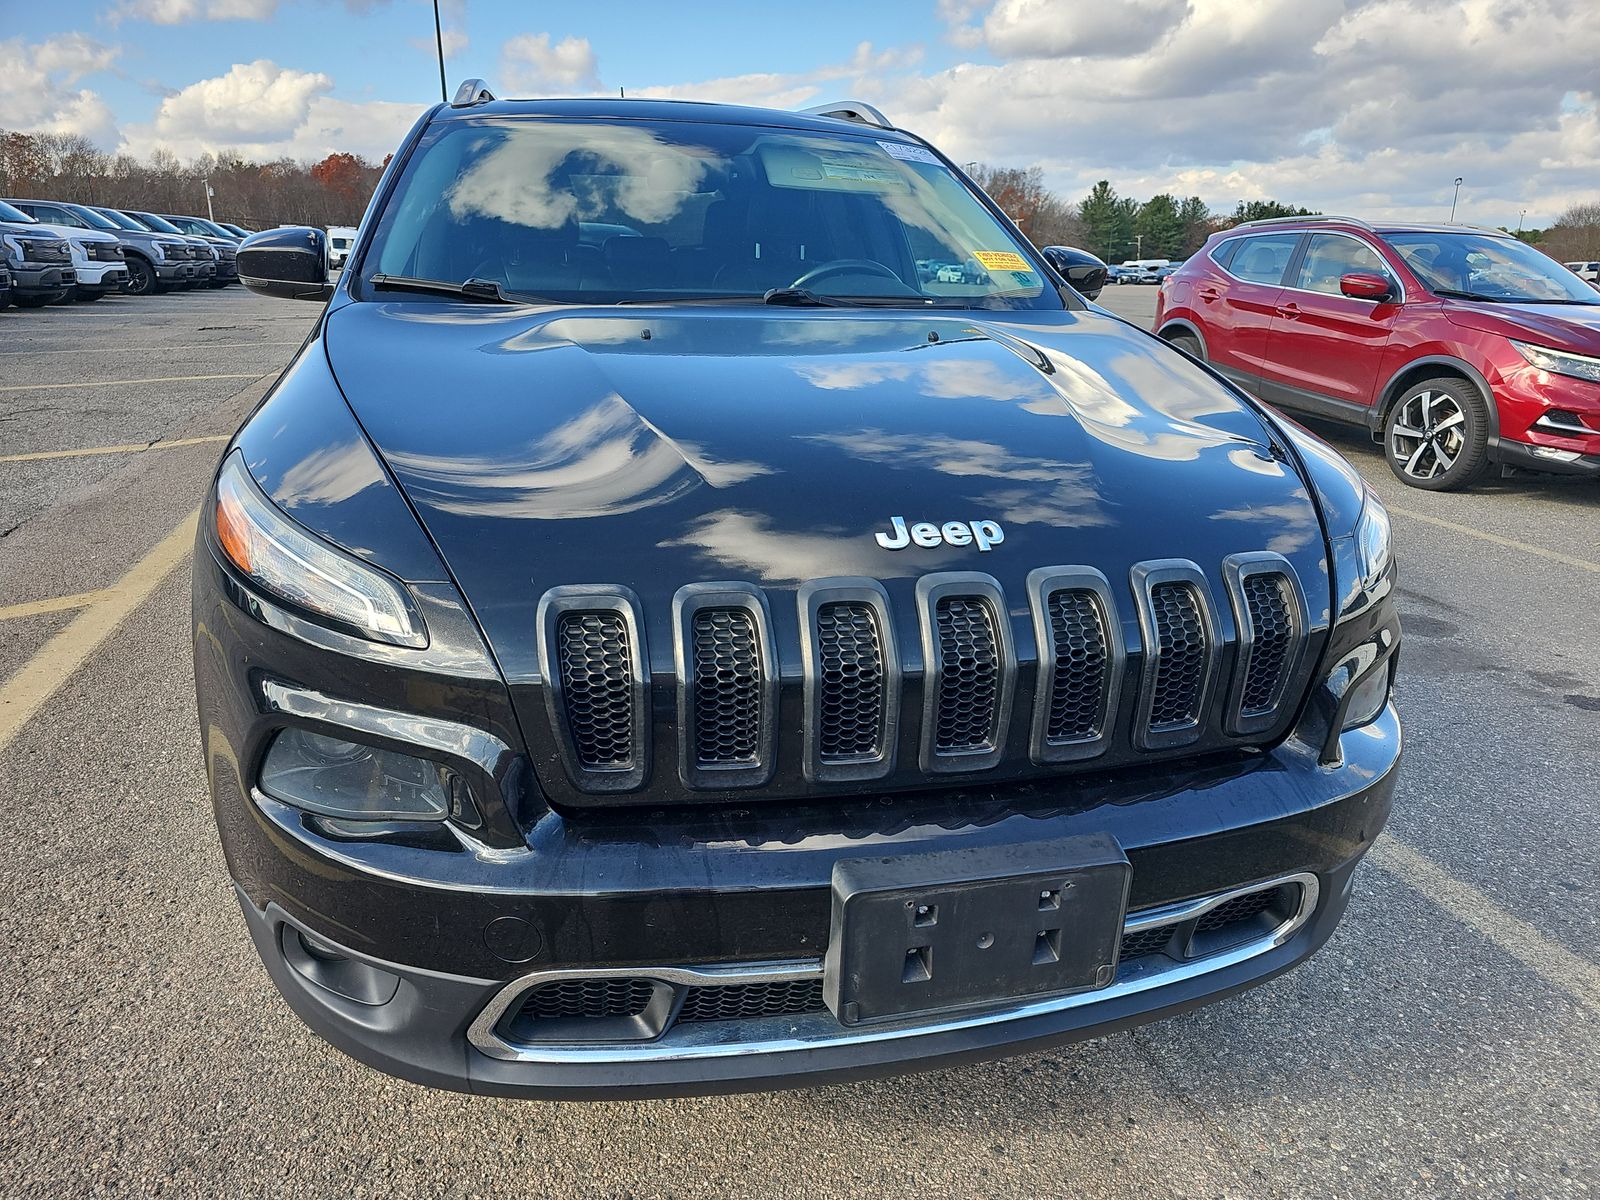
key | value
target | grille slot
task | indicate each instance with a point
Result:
(1239, 909)
(1079, 646)
(727, 688)
(1268, 602)
(597, 687)
(594, 999)
(968, 692)
(1181, 659)
(747, 1000)
(1146, 941)
(850, 683)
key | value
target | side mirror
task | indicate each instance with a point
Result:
(290, 263)
(1364, 285)
(1086, 273)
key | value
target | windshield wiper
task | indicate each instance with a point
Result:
(482, 290)
(798, 297)
(1455, 294)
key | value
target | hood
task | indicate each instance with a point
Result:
(553, 447)
(1574, 327)
(76, 234)
(45, 233)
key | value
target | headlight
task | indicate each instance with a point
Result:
(1374, 540)
(1559, 362)
(348, 779)
(12, 249)
(291, 564)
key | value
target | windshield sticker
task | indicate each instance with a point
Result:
(1003, 260)
(907, 153)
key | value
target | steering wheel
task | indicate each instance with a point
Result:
(846, 266)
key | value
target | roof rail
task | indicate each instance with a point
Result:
(1314, 219)
(472, 91)
(851, 110)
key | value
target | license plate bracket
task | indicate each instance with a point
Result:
(924, 933)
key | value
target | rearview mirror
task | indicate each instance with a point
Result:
(1365, 285)
(290, 263)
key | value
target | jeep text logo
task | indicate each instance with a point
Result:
(982, 534)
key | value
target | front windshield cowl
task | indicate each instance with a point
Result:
(639, 212)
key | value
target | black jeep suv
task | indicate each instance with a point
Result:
(655, 639)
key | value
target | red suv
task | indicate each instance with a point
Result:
(1458, 347)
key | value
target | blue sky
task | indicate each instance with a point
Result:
(1367, 106)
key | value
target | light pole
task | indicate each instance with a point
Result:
(1520, 215)
(210, 216)
(1454, 198)
(438, 40)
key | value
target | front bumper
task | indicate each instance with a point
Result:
(36, 280)
(174, 272)
(101, 276)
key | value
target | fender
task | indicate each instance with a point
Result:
(1387, 393)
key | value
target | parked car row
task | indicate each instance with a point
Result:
(54, 252)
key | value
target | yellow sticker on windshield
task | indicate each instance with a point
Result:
(1002, 260)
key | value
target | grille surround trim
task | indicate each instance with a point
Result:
(1044, 583)
(963, 585)
(1145, 578)
(811, 598)
(686, 602)
(1236, 570)
(599, 597)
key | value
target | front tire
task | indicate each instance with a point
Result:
(142, 279)
(1436, 436)
(1189, 344)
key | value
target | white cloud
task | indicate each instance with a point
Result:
(1050, 29)
(455, 42)
(530, 64)
(179, 12)
(36, 87)
(265, 111)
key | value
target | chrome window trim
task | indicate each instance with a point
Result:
(1237, 568)
(962, 585)
(1388, 269)
(598, 597)
(1145, 577)
(814, 1031)
(1044, 583)
(686, 602)
(811, 598)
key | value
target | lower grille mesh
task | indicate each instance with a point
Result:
(594, 998)
(727, 688)
(1077, 698)
(1240, 908)
(733, 1001)
(1181, 667)
(850, 693)
(1267, 600)
(969, 679)
(597, 687)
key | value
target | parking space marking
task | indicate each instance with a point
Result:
(142, 349)
(35, 608)
(1582, 564)
(130, 448)
(32, 685)
(1546, 958)
(46, 387)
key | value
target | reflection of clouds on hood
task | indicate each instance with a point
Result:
(1288, 527)
(1064, 493)
(605, 460)
(514, 182)
(841, 376)
(747, 545)
(329, 475)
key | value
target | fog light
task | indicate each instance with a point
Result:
(1367, 698)
(347, 779)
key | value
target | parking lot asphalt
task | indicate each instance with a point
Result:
(1445, 1043)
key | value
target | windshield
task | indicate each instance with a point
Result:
(93, 218)
(16, 215)
(156, 223)
(1477, 266)
(212, 229)
(614, 212)
(121, 220)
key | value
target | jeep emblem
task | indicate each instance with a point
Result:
(982, 534)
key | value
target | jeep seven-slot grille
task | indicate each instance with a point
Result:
(978, 705)
(1267, 599)
(850, 685)
(727, 688)
(969, 676)
(1077, 698)
(1181, 656)
(597, 687)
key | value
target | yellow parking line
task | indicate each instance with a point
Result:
(47, 672)
(1582, 564)
(1546, 958)
(45, 387)
(130, 448)
(35, 608)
